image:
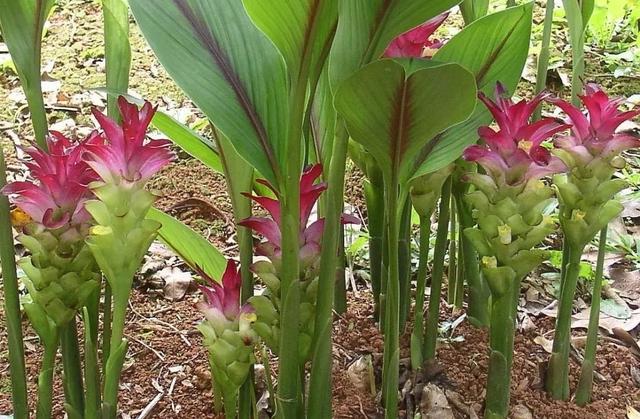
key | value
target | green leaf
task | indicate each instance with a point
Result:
(613, 309)
(494, 48)
(228, 67)
(366, 28)
(117, 51)
(473, 9)
(189, 245)
(21, 24)
(187, 139)
(392, 114)
(301, 29)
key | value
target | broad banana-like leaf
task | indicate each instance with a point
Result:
(366, 27)
(189, 245)
(301, 29)
(393, 113)
(21, 23)
(228, 67)
(117, 51)
(494, 48)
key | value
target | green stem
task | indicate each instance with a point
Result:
(585, 384)
(38, 114)
(417, 334)
(374, 196)
(12, 305)
(501, 344)
(91, 369)
(543, 58)
(118, 346)
(45, 380)
(431, 330)
(452, 270)
(74, 388)
(479, 294)
(340, 292)
(404, 262)
(557, 380)
(391, 354)
(319, 403)
(106, 325)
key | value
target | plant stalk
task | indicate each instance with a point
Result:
(417, 334)
(431, 330)
(404, 262)
(319, 403)
(557, 381)
(45, 380)
(106, 325)
(452, 269)
(501, 344)
(391, 356)
(375, 211)
(12, 305)
(543, 58)
(585, 383)
(74, 387)
(340, 292)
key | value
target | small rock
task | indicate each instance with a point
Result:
(521, 412)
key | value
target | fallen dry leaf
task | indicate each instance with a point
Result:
(632, 413)
(434, 403)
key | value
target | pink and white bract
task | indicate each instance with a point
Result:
(416, 42)
(57, 195)
(310, 234)
(514, 153)
(594, 133)
(128, 158)
(222, 301)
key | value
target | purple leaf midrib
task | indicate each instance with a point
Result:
(222, 61)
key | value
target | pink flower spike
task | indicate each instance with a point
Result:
(57, 195)
(126, 156)
(222, 300)
(414, 42)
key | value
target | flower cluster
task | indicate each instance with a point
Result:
(509, 197)
(416, 42)
(61, 272)
(592, 154)
(267, 306)
(227, 331)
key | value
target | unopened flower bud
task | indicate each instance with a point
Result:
(618, 162)
(578, 215)
(489, 262)
(504, 232)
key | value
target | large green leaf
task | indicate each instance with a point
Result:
(117, 51)
(228, 67)
(494, 48)
(366, 27)
(301, 29)
(21, 24)
(393, 113)
(187, 139)
(189, 245)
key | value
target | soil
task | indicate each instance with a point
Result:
(165, 353)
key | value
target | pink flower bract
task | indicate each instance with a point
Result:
(269, 227)
(594, 132)
(414, 42)
(127, 157)
(514, 153)
(57, 195)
